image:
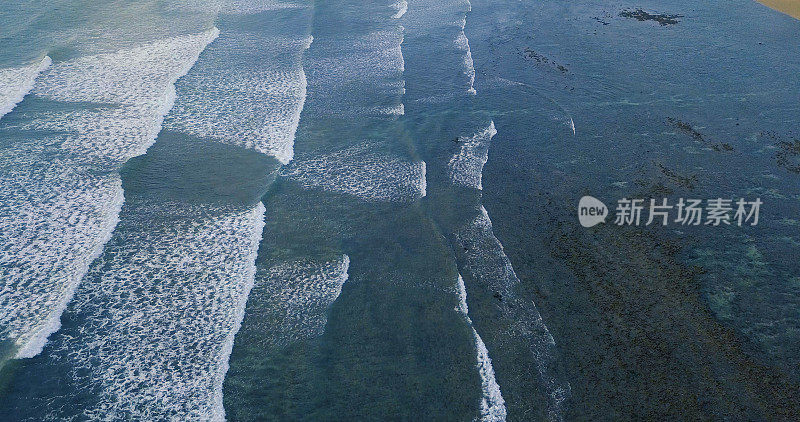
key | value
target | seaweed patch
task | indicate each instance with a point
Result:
(688, 129)
(542, 59)
(685, 181)
(641, 15)
(788, 155)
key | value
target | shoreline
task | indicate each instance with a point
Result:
(787, 7)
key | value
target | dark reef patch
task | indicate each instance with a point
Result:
(542, 59)
(684, 181)
(604, 19)
(722, 147)
(687, 129)
(698, 137)
(788, 155)
(641, 16)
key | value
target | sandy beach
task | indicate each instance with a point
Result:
(789, 7)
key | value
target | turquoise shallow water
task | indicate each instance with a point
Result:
(344, 210)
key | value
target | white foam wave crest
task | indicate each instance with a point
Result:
(131, 76)
(60, 194)
(372, 64)
(466, 167)
(368, 58)
(401, 7)
(255, 105)
(363, 171)
(159, 312)
(290, 300)
(488, 264)
(397, 110)
(444, 19)
(462, 42)
(15, 83)
(238, 7)
(51, 231)
(492, 407)
(134, 87)
(400, 48)
(109, 134)
(248, 277)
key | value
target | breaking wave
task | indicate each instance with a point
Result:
(15, 83)
(401, 7)
(61, 193)
(488, 264)
(291, 299)
(462, 42)
(493, 408)
(159, 312)
(259, 88)
(466, 166)
(363, 171)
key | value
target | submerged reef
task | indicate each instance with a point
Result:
(698, 137)
(641, 15)
(788, 155)
(542, 59)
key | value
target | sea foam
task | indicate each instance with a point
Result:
(61, 193)
(51, 231)
(258, 89)
(466, 166)
(492, 407)
(290, 300)
(15, 83)
(490, 267)
(238, 7)
(159, 312)
(364, 171)
(462, 42)
(371, 63)
(401, 7)
(133, 89)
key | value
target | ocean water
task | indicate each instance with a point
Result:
(341, 210)
(684, 323)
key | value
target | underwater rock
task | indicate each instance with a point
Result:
(789, 155)
(688, 182)
(698, 137)
(542, 59)
(641, 16)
